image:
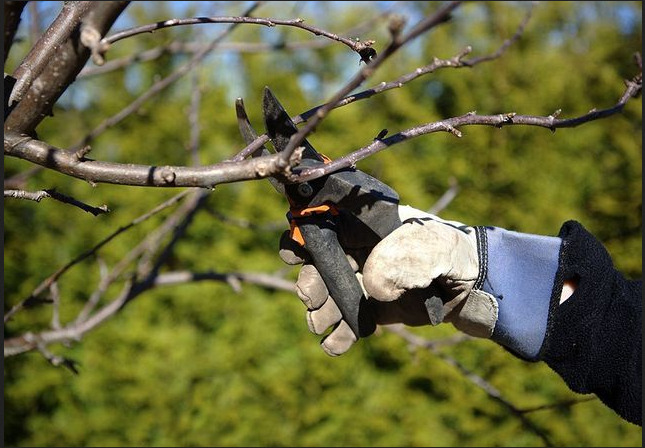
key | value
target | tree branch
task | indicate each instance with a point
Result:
(477, 380)
(40, 195)
(41, 54)
(441, 16)
(453, 124)
(355, 45)
(56, 275)
(12, 12)
(238, 47)
(160, 85)
(67, 162)
(57, 64)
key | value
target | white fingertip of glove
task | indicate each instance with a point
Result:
(324, 317)
(310, 287)
(339, 341)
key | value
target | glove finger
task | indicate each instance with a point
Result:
(310, 287)
(290, 251)
(338, 341)
(324, 317)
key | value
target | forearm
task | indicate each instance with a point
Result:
(562, 301)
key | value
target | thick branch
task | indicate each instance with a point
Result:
(40, 54)
(68, 163)
(12, 12)
(57, 64)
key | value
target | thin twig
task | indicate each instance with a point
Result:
(260, 279)
(477, 380)
(193, 119)
(237, 47)
(160, 85)
(452, 125)
(56, 275)
(441, 16)
(456, 61)
(37, 196)
(445, 198)
(356, 46)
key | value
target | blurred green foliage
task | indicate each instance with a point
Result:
(200, 365)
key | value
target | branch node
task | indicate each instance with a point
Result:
(395, 26)
(454, 131)
(296, 156)
(555, 114)
(91, 38)
(81, 153)
(505, 118)
(168, 175)
(465, 52)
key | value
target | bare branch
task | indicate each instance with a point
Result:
(259, 279)
(275, 164)
(56, 275)
(451, 125)
(41, 54)
(57, 62)
(356, 46)
(12, 12)
(446, 198)
(161, 84)
(39, 195)
(477, 380)
(55, 294)
(457, 61)
(507, 43)
(441, 16)
(193, 119)
(66, 162)
(53, 359)
(238, 47)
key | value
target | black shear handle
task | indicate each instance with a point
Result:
(331, 262)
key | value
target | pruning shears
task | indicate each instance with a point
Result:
(347, 206)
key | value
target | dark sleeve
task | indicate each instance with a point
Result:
(594, 339)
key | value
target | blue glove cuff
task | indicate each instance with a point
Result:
(519, 271)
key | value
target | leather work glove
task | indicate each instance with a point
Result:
(487, 281)
(401, 283)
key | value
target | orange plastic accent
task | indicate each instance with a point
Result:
(295, 232)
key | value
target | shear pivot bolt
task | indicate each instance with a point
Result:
(305, 190)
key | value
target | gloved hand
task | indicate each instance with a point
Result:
(424, 272)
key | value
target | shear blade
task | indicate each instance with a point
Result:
(249, 135)
(280, 127)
